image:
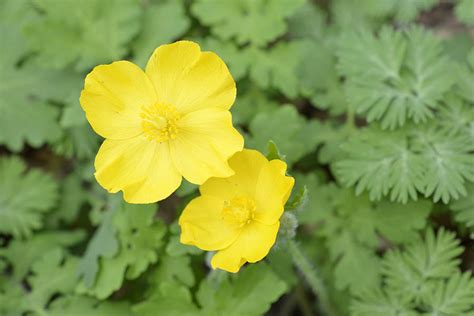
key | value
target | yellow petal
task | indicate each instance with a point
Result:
(190, 79)
(252, 245)
(143, 170)
(272, 191)
(204, 143)
(112, 98)
(247, 165)
(202, 224)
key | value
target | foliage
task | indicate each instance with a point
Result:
(370, 103)
(424, 277)
(25, 197)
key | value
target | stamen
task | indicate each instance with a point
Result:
(159, 122)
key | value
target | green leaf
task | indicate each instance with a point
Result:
(464, 11)
(103, 244)
(309, 21)
(464, 209)
(22, 254)
(457, 117)
(376, 302)
(249, 104)
(24, 197)
(71, 33)
(299, 201)
(403, 164)
(363, 14)
(140, 236)
(432, 258)
(250, 21)
(162, 22)
(465, 76)
(294, 135)
(455, 296)
(351, 227)
(358, 268)
(423, 277)
(318, 79)
(75, 305)
(72, 196)
(276, 67)
(171, 299)
(396, 77)
(319, 198)
(52, 274)
(383, 164)
(408, 10)
(399, 222)
(25, 116)
(273, 152)
(77, 141)
(447, 162)
(173, 269)
(250, 293)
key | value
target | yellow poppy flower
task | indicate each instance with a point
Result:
(169, 122)
(238, 216)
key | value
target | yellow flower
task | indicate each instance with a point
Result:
(169, 122)
(238, 216)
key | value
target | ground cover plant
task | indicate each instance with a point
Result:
(363, 110)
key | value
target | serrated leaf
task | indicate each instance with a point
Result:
(403, 164)
(52, 275)
(140, 236)
(464, 209)
(383, 164)
(294, 135)
(375, 302)
(249, 104)
(25, 116)
(422, 279)
(171, 299)
(251, 293)
(173, 269)
(22, 254)
(465, 76)
(399, 222)
(455, 296)
(77, 141)
(432, 258)
(357, 261)
(447, 162)
(24, 197)
(309, 21)
(103, 244)
(96, 33)
(75, 305)
(249, 21)
(395, 78)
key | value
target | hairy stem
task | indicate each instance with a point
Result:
(312, 278)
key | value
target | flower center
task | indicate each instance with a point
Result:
(239, 211)
(159, 122)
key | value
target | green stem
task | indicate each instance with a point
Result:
(312, 277)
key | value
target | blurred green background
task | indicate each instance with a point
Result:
(370, 101)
